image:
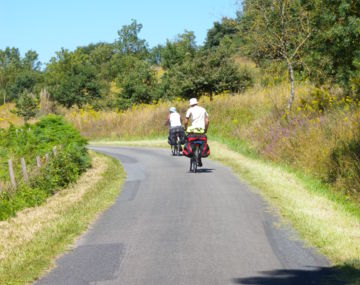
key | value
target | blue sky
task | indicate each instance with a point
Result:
(47, 26)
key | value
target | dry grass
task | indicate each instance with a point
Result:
(31, 240)
(6, 117)
(27, 223)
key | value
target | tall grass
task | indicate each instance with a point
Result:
(323, 143)
(7, 117)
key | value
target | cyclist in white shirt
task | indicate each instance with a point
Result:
(199, 118)
(174, 121)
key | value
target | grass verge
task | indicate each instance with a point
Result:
(30, 241)
(323, 219)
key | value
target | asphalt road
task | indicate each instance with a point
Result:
(170, 226)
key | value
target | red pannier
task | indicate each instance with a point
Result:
(190, 143)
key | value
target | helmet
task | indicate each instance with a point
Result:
(172, 110)
(193, 101)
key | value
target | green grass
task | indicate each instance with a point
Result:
(32, 258)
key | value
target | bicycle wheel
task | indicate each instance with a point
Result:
(193, 165)
(196, 158)
(173, 150)
(178, 146)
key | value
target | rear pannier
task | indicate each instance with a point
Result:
(190, 144)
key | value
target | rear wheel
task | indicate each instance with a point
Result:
(173, 149)
(195, 159)
(193, 164)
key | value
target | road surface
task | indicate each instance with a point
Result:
(170, 226)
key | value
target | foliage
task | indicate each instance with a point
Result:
(333, 50)
(129, 41)
(227, 27)
(136, 82)
(278, 30)
(27, 106)
(71, 160)
(72, 79)
(182, 49)
(18, 74)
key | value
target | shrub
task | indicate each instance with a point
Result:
(71, 160)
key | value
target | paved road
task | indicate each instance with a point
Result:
(173, 227)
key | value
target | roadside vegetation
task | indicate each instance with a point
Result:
(59, 171)
(30, 241)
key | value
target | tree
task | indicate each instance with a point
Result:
(136, 81)
(18, 74)
(216, 73)
(227, 27)
(72, 79)
(333, 51)
(278, 30)
(176, 52)
(209, 72)
(27, 105)
(129, 41)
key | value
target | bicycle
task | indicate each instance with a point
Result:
(195, 159)
(176, 148)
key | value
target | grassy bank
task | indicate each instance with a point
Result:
(30, 241)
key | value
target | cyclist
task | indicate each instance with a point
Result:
(199, 119)
(174, 122)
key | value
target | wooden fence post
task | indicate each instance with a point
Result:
(12, 174)
(24, 170)
(47, 157)
(38, 161)
(54, 151)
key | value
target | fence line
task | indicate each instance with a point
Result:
(24, 169)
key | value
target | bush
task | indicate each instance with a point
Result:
(71, 160)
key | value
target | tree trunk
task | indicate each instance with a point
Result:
(292, 81)
(211, 95)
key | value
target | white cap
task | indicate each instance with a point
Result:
(172, 109)
(193, 101)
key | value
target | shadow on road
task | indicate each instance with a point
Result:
(204, 170)
(314, 276)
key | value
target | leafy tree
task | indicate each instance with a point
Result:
(72, 79)
(18, 74)
(333, 51)
(25, 80)
(184, 47)
(277, 30)
(136, 81)
(227, 27)
(129, 41)
(209, 72)
(27, 105)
